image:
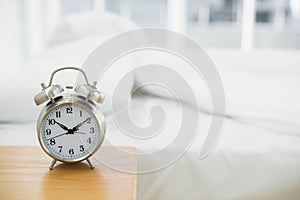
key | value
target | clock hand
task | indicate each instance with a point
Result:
(58, 135)
(80, 124)
(79, 132)
(62, 126)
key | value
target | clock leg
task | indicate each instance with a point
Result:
(90, 163)
(52, 164)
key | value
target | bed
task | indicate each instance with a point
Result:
(257, 157)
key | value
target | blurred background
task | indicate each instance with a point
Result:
(254, 44)
(29, 25)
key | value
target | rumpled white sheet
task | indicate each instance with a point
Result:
(249, 162)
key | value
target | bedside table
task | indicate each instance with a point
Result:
(24, 174)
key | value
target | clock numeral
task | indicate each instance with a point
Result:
(80, 113)
(89, 141)
(88, 120)
(60, 148)
(69, 110)
(57, 114)
(51, 121)
(71, 151)
(48, 131)
(92, 130)
(81, 148)
(52, 141)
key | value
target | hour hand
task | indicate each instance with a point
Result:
(61, 125)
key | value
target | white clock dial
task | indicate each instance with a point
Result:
(70, 132)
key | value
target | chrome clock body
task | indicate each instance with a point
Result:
(70, 127)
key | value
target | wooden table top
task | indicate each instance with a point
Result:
(24, 174)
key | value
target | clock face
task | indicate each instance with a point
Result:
(70, 132)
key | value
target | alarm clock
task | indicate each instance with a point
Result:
(70, 127)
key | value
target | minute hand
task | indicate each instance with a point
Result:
(80, 124)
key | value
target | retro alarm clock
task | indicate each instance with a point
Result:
(70, 127)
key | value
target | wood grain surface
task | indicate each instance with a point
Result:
(24, 174)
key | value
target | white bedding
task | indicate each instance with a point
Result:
(258, 156)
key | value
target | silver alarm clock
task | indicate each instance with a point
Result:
(70, 127)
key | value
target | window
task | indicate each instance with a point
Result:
(75, 6)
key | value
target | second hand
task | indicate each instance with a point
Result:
(79, 132)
